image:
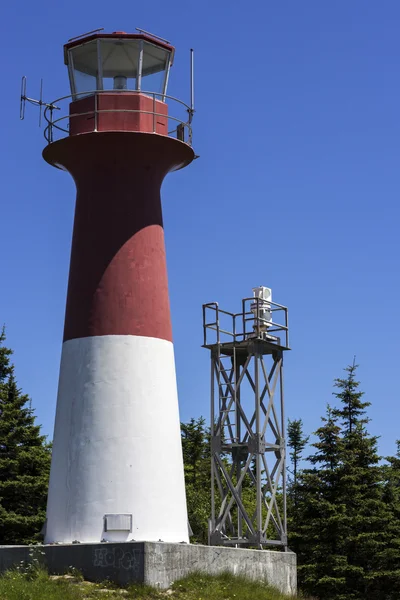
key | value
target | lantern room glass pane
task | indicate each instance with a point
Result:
(119, 59)
(155, 63)
(84, 60)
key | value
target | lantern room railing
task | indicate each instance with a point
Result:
(179, 122)
(223, 327)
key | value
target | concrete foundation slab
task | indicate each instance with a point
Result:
(156, 563)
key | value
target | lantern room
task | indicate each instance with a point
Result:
(118, 82)
(118, 61)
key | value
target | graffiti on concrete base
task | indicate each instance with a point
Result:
(115, 557)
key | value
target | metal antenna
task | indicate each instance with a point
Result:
(85, 34)
(190, 110)
(24, 99)
(192, 80)
(40, 102)
(157, 37)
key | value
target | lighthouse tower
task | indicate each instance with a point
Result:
(117, 468)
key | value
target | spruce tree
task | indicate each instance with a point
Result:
(196, 451)
(24, 461)
(317, 530)
(196, 458)
(388, 560)
(196, 446)
(347, 523)
(297, 441)
(361, 492)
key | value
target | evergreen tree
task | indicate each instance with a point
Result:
(361, 491)
(352, 412)
(317, 529)
(196, 450)
(297, 441)
(388, 561)
(24, 461)
(196, 446)
(348, 508)
(196, 457)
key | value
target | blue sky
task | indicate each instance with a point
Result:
(297, 188)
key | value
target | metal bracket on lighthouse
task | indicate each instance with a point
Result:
(24, 99)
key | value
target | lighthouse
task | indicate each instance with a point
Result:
(117, 468)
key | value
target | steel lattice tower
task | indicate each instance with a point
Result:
(248, 446)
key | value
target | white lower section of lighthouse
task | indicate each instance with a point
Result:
(117, 468)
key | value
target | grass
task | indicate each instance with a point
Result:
(16, 585)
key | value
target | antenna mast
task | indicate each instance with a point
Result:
(24, 99)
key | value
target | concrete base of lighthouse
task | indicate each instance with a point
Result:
(159, 564)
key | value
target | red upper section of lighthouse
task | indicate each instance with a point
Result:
(118, 148)
(118, 82)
